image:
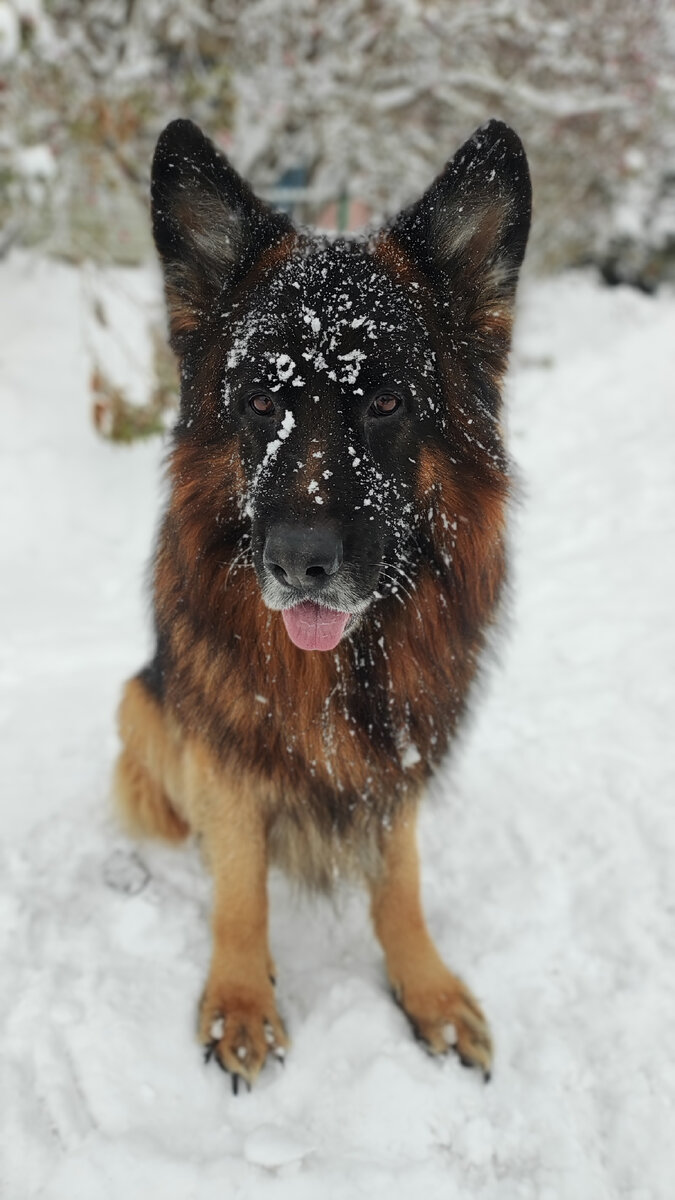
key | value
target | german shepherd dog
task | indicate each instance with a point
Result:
(330, 559)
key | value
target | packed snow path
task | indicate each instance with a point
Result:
(548, 846)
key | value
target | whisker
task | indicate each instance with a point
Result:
(396, 582)
(243, 558)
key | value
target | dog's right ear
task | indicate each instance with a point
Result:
(208, 226)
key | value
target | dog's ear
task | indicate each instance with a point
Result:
(208, 226)
(469, 231)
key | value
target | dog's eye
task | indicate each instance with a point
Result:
(261, 404)
(385, 404)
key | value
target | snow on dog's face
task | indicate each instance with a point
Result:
(330, 380)
(344, 372)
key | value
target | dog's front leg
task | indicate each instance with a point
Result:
(238, 1021)
(440, 1007)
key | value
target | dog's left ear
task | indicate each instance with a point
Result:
(469, 231)
(209, 227)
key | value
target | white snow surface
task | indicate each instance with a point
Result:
(547, 845)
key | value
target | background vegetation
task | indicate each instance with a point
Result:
(343, 110)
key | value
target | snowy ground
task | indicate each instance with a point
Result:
(548, 849)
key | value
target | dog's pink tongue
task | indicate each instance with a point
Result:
(312, 627)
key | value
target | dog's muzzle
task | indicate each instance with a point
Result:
(303, 557)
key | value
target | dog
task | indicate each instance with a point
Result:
(330, 560)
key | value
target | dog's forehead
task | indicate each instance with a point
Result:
(330, 309)
(346, 286)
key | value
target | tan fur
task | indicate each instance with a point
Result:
(229, 815)
(440, 1007)
(147, 776)
(159, 774)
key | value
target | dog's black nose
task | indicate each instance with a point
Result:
(302, 556)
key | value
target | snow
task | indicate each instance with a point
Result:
(10, 33)
(270, 1146)
(285, 367)
(411, 754)
(547, 845)
(287, 424)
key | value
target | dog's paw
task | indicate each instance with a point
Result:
(447, 1017)
(240, 1030)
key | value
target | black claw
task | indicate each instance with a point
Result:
(472, 1066)
(210, 1053)
(273, 980)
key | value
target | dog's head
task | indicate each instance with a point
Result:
(333, 365)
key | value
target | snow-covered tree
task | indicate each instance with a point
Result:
(365, 97)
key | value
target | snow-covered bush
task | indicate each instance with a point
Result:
(88, 84)
(365, 97)
(379, 94)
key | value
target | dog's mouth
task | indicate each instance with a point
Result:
(310, 626)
